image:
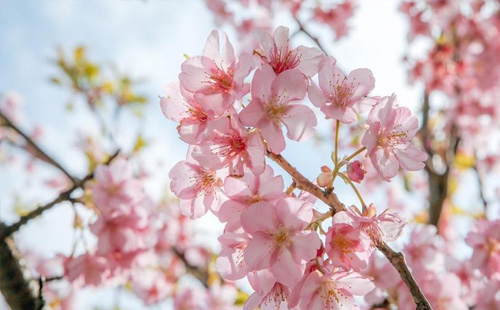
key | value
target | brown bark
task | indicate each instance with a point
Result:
(331, 199)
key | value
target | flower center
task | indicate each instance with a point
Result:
(220, 80)
(330, 294)
(283, 59)
(275, 110)
(276, 296)
(343, 244)
(229, 146)
(207, 181)
(340, 95)
(197, 114)
(394, 138)
(281, 237)
(493, 246)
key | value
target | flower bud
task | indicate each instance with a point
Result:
(355, 171)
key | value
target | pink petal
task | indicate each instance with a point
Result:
(364, 80)
(253, 113)
(316, 95)
(261, 83)
(259, 217)
(300, 121)
(304, 247)
(173, 105)
(258, 252)
(412, 158)
(273, 135)
(286, 270)
(290, 85)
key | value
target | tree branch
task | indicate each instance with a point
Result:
(198, 273)
(6, 231)
(312, 37)
(301, 182)
(397, 259)
(331, 199)
(35, 146)
(16, 290)
(481, 186)
(14, 286)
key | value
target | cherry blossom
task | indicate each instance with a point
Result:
(246, 190)
(86, 269)
(278, 241)
(385, 227)
(272, 105)
(277, 53)
(339, 96)
(197, 187)
(388, 139)
(215, 78)
(333, 290)
(348, 247)
(180, 106)
(484, 238)
(115, 186)
(232, 146)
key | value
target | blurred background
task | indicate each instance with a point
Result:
(135, 48)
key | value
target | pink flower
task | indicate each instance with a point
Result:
(151, 286)
(246, 190)
(10, 104)
(489, 298)
(442, 291)
(355, 171)
(190, 298)
(215, 78)
(115, 186)
(424, 252)
(279, 242)
(336, 17)
(484, 238)
(341, 97)
(230, 145)
(197, 187)
(86, 270)
(384, 276)
(276, 52)
(230, 263)
(386, 227)
(348, 247)
(272, 104)
(180, 106)
(122, 233)
(388, 139)
(269, 294)
(222, 297)
(333, 290)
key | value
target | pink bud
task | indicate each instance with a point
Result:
(355, 171)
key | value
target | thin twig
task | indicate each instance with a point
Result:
(331, 199)
(302, 183)
(198, 273)
(481, 186)
(397, 259)
(304, 30)
(35, 146)
(64, 196)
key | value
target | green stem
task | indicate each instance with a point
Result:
(348, 181)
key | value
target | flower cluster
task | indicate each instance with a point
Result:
(139, 243)
(259, 14)
(233, 119)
